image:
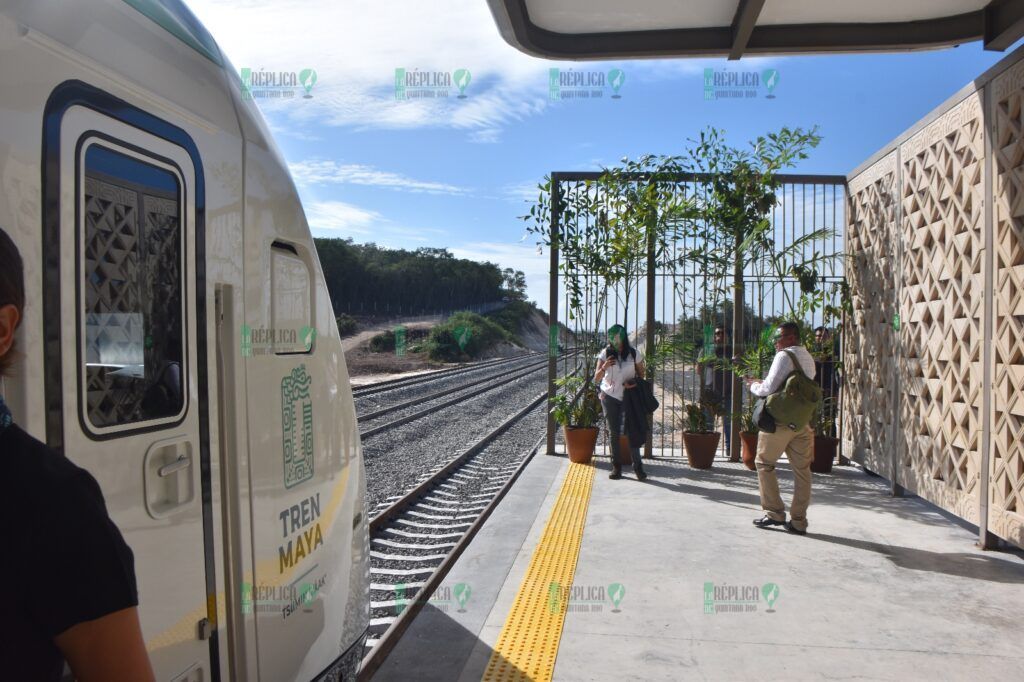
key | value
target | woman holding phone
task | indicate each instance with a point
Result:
(618, 366)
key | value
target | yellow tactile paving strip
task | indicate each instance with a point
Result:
(528, 643)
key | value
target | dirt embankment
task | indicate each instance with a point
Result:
(365, 366)
(364, 363)
(534, 332)
(365, 333)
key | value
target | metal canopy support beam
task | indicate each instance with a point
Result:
(747, 12)
(1004, 23)
(517, 29)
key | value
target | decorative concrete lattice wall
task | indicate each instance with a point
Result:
(942, 301)
(870, 339)
(1006, 472)
(954, 273)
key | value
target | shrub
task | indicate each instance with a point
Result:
(512, 316)
(346, 325)
(464, 335)
(383, 342)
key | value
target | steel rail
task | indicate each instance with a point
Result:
(440, 406)
(438, 394)
(387, 642)
(383, 386)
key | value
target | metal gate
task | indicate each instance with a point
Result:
(672, 299)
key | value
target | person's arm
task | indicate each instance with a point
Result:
(108, 648)
(780, 369)
(603, 363)
(641, 369)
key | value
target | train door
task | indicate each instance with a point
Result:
(132, 360)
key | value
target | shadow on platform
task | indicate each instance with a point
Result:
(443, 649)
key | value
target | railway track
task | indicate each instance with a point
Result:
(393, 384)
(416, 537)
(419, 536)
(458, 397)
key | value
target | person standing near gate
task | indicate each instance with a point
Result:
(825, 353)
(795, 439)
(716, 384)
(618, 366)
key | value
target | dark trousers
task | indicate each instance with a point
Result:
(615, 415)
(726, 422)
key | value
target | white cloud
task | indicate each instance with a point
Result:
(522, 192)
(337, 216)
(323, 171)
(485, 136)
(339, 219)
(518, 256)
(295, 133)
(356, 45)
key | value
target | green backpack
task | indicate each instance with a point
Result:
(795, 403)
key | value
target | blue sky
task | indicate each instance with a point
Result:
(454, 172)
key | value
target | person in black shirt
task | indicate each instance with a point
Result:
(825, 353)
(68, 576)
(716, 379)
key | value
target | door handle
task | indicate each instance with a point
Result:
(168, 491)
(174, 467)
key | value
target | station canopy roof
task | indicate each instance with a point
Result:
(606, 29)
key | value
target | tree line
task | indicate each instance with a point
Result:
(367, 277)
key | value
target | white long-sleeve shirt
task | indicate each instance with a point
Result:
(782, 365)
(616, 376)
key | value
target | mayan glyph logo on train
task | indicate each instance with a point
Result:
(297, 427)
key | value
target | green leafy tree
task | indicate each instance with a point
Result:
(427, 279)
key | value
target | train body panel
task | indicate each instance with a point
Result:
(165, 246)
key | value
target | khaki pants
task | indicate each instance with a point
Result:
(799, 447)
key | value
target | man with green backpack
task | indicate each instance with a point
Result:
(789, 396)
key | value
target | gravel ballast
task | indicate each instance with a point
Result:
(396, 459)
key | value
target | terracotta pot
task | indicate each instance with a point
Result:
(701, 448)
(824, 454)
(625, 456)
(749, 449)
(580, 442)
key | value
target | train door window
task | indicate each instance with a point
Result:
(131, 288)
(291, 302)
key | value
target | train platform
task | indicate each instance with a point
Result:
(578, 577)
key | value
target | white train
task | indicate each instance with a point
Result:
(179, 340)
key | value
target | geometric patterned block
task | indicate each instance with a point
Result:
(942, 308)
(133, 319)
(869, 404)
(1006, 471)
(114, 330)
(959, 287)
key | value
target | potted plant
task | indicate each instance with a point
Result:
(576, 409)
(748, 434)
(701, 444)
(825, 444)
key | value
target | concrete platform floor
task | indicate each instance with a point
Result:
(881, 588)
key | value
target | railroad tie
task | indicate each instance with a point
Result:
(528, 644)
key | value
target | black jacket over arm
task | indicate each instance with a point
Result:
(638, 402)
